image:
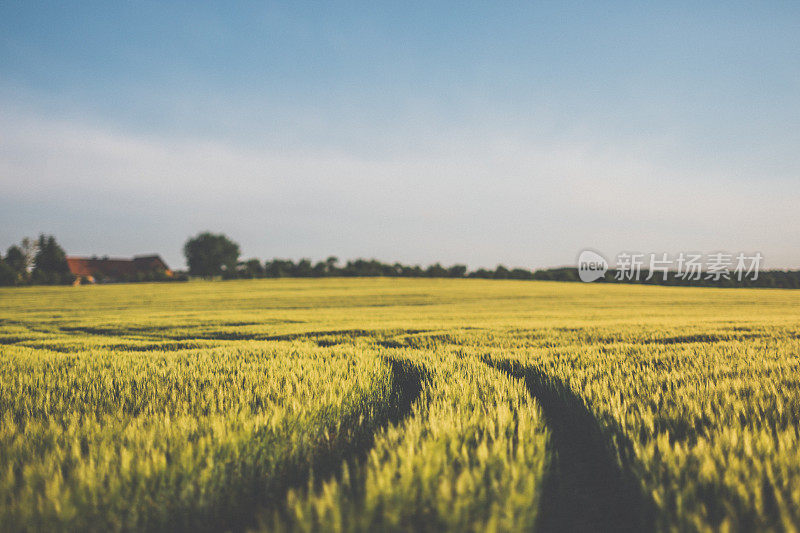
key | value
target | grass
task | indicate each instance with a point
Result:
(394, 404)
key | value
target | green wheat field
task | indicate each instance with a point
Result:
(398, 404)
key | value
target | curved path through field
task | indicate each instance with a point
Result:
(586, 490)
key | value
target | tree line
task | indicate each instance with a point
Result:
(40, 262)
(777, 279)
(211, 255)
(215, 256)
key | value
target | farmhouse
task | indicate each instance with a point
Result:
(93, 269)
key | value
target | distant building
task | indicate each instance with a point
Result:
(140, 268)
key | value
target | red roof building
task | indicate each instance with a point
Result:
(93, 269)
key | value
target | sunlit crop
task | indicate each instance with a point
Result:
(375, 404)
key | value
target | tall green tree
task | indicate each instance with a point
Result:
(50, 263)
(210, 255)
(8, 275)
(15, 258)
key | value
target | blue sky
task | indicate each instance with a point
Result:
(482, 133)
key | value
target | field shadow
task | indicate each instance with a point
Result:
(586, 489)
(407, 380)
(703, 338)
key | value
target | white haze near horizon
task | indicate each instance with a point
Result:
(481, 201)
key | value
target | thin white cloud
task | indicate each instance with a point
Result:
(483, 199)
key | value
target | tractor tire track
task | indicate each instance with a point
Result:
(585, 487)
(407, 380)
